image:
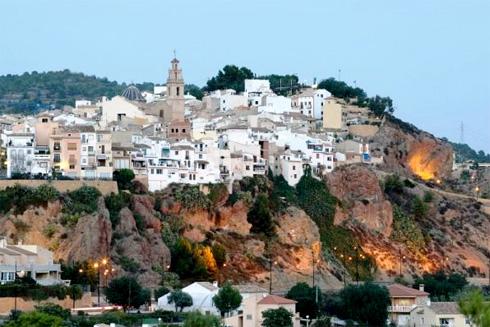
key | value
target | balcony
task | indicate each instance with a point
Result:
(401, 308)
(31, 267)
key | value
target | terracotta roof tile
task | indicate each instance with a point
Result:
(274, 299)
(398, 290)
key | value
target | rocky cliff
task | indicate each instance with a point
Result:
(408, 150)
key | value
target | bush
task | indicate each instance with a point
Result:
(191, 198)
(197, 319)
(428, 196)
(129, 264)
(21, 197)
(217, 193)
(406, 230)
(82, 201)
(49, 230)
(140, 222)
(393, 184)
(114, 203)
(315, 199)
(440, 286)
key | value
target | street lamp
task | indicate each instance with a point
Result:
(270, 274)
(96, 267)
(401, 261)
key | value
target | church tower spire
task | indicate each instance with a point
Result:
(175, 90)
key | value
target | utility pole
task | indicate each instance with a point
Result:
(270, 275)
(357, 264)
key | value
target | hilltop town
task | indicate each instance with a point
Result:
(270, 187)
(169, 136)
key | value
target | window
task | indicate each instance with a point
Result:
(183, 130)
(178, 91)
(57, 157)
(318, 156)
(176, 152)
(90, 149)
(295, 176)
(161, 113)
(44, 120)
(159, 171)
(72, 146)
(294, 167)
(72, 166)
(152, 171)
(57, 146)
(247, 167)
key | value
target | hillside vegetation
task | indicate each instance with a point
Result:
(31, 92)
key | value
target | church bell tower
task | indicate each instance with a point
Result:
(175, 91)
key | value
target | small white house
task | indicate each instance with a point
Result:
(202, 298)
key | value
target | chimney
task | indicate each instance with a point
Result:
(421, 287)
(215, 284)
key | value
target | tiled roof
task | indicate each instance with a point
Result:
(398, 290)
(274, 299)
(445, 308)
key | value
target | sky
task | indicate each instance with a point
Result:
(432, 57)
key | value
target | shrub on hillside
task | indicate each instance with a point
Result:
(82, 200)
(191, 198)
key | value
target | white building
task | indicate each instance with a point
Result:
(275, 104)
(310, 102)
(20, 153)
(202, 298)
(28, 260)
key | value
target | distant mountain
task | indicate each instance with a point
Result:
(31, 92)
(464, 153)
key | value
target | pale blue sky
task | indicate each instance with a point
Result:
(431, 56)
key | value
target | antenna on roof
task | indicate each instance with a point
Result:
(461, 140)
(175, 54)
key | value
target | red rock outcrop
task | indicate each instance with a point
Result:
(363, 201)
(407, 150)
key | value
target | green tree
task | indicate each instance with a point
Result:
(194, 90)
(75, 292)
(126, 292)
(227, 299)
(474, 306)
(197, 319)
(305, 296)
(277, 318)
(260, 217)
(419, 208)
(354, 305)
(340, 89)
(381, 105)
(219, 254)
(123, 177)
(440, 286)
(230, 77)
(180, 300)
(36, 319)
(159, 292)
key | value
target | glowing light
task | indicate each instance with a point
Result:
(422, 165)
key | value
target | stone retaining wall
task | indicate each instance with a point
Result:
(105, 187)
